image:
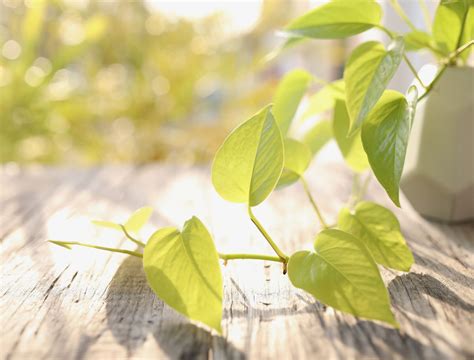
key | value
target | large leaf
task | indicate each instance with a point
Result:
(367, 73)
(342, 273)
(350, 146)
(318, 136)
(249, 163)
(379, 229)
(324, 99)
(183, 269)
(297, 159)
(385, 137)
(447, 24)
(289, 93)
(337, 19)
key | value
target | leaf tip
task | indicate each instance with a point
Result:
(60, 243)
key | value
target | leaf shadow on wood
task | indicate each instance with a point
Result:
(411, 289)
(444, 270)
(134, 312)
(377, 341)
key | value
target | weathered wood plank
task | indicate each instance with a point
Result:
(90, 304)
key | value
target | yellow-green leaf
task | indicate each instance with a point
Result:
(379, 229)
(448, 23)
(249, 163)
(138, 219)
(385, 135)
(323, 100)
(342, 273)
(337, 19)
(297, 159)
(183, 269)
(289, 93)
(367, 73)
(107, 224)
(350, 146)
(318, 136)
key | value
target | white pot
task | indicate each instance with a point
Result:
(438, 177)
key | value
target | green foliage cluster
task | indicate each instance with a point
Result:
(118, 82)
(371, 126)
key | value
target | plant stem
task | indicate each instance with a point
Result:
(313, 203)
(68, 244)
(413, 70)
(426, 14)
(274, 246)
(399, 10)
(130, 237)
(433, 83)
(251, 257)
(386, 31)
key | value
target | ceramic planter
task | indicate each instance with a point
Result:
(438, 177)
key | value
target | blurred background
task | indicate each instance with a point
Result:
(85, 82)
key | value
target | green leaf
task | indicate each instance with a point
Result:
(297, 159)
(289, 93)
(342, 273)
(385, 137)
(249, 163)
(324, 99)
(318, 136)
(138, 219)
(367, 73)
(447, 24)
(350, 146)
(183, 269)
(379, 230)
(336, 20)
(107, 224)
(417, 40)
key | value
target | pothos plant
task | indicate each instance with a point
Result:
(371, 126)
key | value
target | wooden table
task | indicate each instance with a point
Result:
(60, 304)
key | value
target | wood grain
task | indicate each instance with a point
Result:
(87, 304)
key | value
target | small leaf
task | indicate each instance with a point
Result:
(249, 163)
(367, 73)
(385, 137)
(324, 99)
(379, 229)
(336, 20)
(297, 159)
(447, 24)
(417, 40)
(183, 269)
(107, 224)
(468, 32)
(342, 273)
(138, 219)
(318, 136)
(289, 93)
(350, 146)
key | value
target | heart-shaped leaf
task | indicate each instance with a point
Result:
(289, 93)
(417, 40)
(385, 137)
(107, 224)
(336, 20)
(367, 73)
(350, 146)
(183, 269)
(318, 136)
(249, 163)
(297, 159)
(342, 273)
(379, 229)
